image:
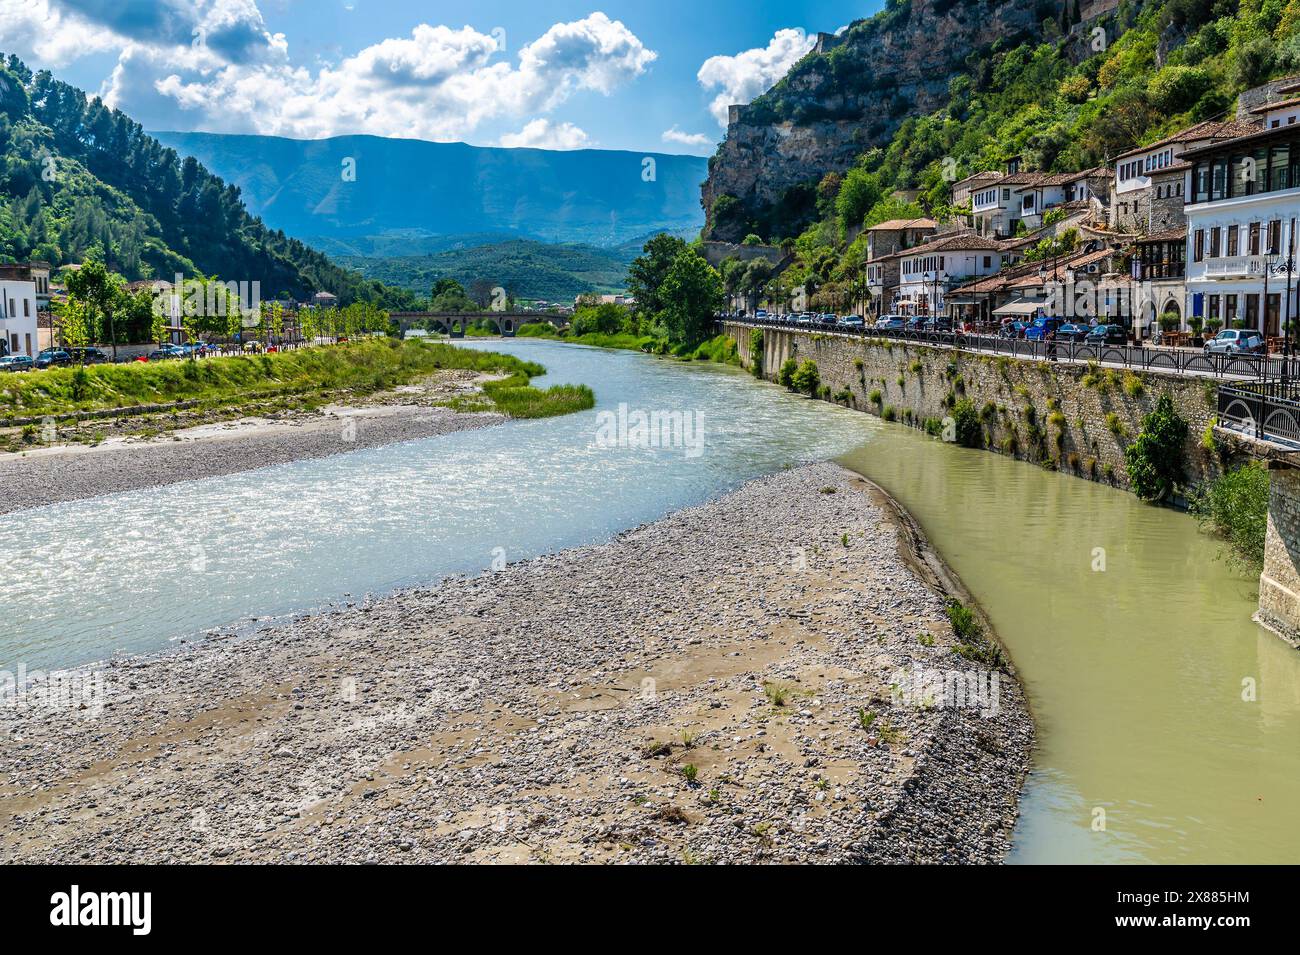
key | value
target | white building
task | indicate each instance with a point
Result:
(928, 271)
(1001, 205)
(1134, 201)
(18, 318)
(1243, 199)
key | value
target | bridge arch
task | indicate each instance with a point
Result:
(455, 324)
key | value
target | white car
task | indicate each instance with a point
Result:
(1233, 341)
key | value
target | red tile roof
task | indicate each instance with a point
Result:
(1209, 129)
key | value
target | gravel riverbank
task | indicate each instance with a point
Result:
(737, 682)
(127, 462)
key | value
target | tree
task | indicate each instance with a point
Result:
(754, 279)
(859, 192)
(692, 294)
(449, 296)
(442, 286)
(604, 319)
(1155, 458)
(96, 291)
(137, 319)
(646, 274)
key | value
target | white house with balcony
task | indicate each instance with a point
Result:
(18, 329)
(928, 271)
(1243, 206)
(1133, 200)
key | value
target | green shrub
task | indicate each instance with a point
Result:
(969, 433)
(756, 352)
(807, 379)
(1235, 507)
(1155, 458)
(786, 376)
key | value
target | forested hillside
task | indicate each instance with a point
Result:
(525, 269)
(76, 176)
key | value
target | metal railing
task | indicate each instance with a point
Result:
(1179, 361)
(1264, 410)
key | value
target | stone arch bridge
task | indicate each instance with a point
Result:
(454, 323)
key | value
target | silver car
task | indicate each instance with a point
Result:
(1234, 341)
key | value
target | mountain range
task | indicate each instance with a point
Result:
(369, 195)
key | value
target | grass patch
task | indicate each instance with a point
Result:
(361, 368)
(972, 644)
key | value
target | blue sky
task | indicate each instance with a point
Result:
(644, 76)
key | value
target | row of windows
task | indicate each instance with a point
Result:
(927, 264)
(1225, 309)
(989, 197)
(1169, 191)
(1264, 169)
(1141, 167)
(13, 308)
(1257, 238)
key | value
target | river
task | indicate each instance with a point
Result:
(1135, 672)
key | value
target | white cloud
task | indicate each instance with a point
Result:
(38, 30)
(543, 134)
(213, 65)
(690, 140)
(749, 74)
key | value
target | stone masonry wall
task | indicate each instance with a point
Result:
(1058, 415)
(1279, 584)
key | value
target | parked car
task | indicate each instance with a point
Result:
(891, 323)
(1039, 329)
(1012, 329)
(827, 318)
(1072, 332)
(1234, 341)
(17, 363)
(194, 348)
(166, 352)
(1106, 335)
(936, 324)
(916, 323)
(853, 321)
(803, 319)
(51, 357)
(88, 356)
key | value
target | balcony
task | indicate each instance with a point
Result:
(1237, 267)
(1156, 271)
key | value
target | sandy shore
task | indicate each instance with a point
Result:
(125, 462)
(728, 684)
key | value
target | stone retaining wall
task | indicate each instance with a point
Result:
(1279, 584)
(1058, 415)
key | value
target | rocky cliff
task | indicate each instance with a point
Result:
(851, 93)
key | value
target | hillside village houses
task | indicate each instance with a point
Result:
(1199, 227)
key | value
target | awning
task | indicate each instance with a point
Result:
(1019, 307)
